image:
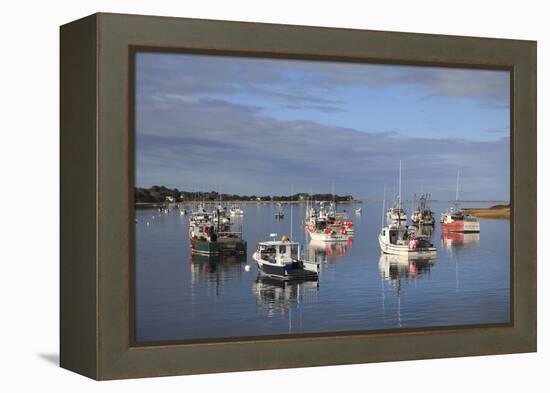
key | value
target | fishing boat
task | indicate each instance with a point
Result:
(220, 218)
(406, 241)
(279, 214)
(397, 213)
(236, 211)
(212, 239)
(323, 228)
(199, 215)
(423, 215)
(395, 238)
(456, 219)
(281, 259)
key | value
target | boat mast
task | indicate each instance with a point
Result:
(383, 205)
(399, 196)
(333, 197)
(291, 192)
(307, 206)
(457, 180)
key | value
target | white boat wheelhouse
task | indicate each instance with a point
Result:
(282, 259)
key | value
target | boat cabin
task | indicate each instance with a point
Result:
(459, 215)
(279, 251)
(401, 235)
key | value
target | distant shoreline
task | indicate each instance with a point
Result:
(496, 212)
(145, 205)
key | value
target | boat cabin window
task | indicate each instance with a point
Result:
(267, 251)
(393, 236)
(294, 251)
(282, 250)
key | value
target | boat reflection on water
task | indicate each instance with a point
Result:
(214, 270)
(459, 239)
(323, 252)
(278, 297)
(395, 267)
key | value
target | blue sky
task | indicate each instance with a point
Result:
(255, 126)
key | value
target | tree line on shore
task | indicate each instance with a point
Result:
(159, 194)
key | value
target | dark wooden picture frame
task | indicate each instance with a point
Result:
(97, 195)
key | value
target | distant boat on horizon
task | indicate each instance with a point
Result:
(456, 219)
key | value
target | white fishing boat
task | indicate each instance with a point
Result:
(281, 259)
(199, 215)
(324, 229)
(400, 240)
(236, 211)
(456, 219)
(221, 218)
(396, 239)
(396, 214)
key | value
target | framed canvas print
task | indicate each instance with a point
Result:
(240, 196)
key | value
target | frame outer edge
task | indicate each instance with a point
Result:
(78, 191)
(525, 196)
(117, 358)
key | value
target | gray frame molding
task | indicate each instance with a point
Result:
(97, 198)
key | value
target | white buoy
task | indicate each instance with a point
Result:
(247, 268)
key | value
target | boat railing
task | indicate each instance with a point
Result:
(230, 234)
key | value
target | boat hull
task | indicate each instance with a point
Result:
(325, 237)
(284, 272)
(461, 226)
(404, 250)
(222, 246)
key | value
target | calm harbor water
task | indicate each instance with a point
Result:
(180, 297)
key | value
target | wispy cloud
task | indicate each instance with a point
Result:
(314, 83)
(202, 122)
(214, 143)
